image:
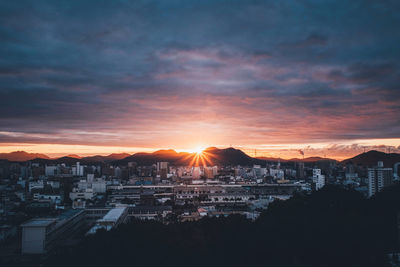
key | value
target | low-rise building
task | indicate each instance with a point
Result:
(87, 194)
(40, 235)
(112, 219)
(56, 199)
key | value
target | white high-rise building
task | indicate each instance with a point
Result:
(77, 170)
(318, 179)
(378, 178)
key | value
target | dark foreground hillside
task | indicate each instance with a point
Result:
(332, 227)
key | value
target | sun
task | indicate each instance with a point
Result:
(198, 150)
(200, 156)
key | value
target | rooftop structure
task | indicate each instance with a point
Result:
(39, 222)
(39, 235)
(112, 219)
(113, 215)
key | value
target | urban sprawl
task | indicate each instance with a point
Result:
(43, 206)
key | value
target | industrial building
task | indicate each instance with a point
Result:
(40, 235)
(112, 219)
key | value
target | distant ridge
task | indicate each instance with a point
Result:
(312, 159)
(22, 156)
(74, 156)
(272, 159)
(85, 160)
(111, 157)
(215, 156)
(309, 159)
(370, 159)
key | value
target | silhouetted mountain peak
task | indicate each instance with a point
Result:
(210, 156)
(22, 156)
(211, 148)
(118, 155)
(165, 152)
(73, 156)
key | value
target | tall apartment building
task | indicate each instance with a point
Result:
(196, 172)
(163, 169)
(378, 178)
(77, 170)
(318, 179)
(300, 170)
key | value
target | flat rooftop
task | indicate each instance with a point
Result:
(38, 222)
(114, 214)
(43, 222)
(68, 213)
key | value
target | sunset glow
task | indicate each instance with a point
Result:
(234, 81)
(198, 150)
(200, 133)
(337, 151)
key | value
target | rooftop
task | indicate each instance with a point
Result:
(114, 214)
(38, 222)
(68, 213)
(43, 222)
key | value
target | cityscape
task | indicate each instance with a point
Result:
(199, 133)
(48, 204)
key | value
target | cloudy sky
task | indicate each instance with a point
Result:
(112, 76)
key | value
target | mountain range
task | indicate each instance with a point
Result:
(211, 156)
(309, 159)
(21, 156)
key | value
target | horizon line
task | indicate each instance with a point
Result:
(62, 155)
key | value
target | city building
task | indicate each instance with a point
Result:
(35, 185)
(196, 173)
(86, 194)
(50, 170)
(258, 171)
(149, 212)
(54, 199)
(378, 178)
(277, 173)
(77, 170)
(318, 179)
(112, 219)
(40, 235)
(300, 170)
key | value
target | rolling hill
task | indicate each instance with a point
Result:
(370, 159)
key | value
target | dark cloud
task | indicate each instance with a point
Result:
(326, 69)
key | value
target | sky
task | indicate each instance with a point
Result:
(96, 77)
